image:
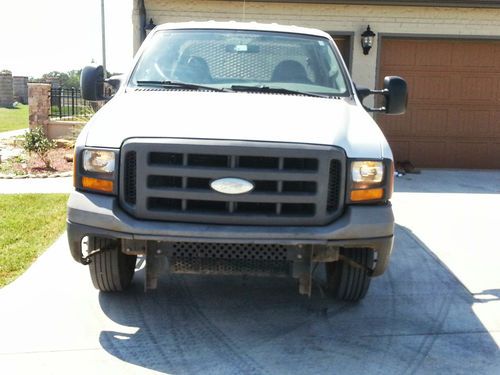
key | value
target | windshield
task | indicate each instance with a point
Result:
(233, 58)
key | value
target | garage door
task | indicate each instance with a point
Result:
(453, 118)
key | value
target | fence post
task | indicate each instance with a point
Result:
(39, 105)
(58, 92)
(73, 113)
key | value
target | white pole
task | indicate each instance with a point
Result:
(103, 26)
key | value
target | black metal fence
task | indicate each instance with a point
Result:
(68, 104)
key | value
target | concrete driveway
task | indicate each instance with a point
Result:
(436, 311)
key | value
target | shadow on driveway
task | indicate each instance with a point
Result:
(416, 318)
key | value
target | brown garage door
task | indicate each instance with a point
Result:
(453, 117)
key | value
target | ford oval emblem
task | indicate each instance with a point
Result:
(231, 185)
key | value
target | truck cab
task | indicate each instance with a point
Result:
(238, 149)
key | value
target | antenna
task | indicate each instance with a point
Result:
(244, 10)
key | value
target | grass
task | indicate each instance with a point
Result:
(14, 118)
(29, 224)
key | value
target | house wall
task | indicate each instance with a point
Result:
(384, 20)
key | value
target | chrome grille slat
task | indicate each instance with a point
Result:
(214, 196)
(243, 173)
(293, 185)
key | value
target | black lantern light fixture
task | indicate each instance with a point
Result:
(367, 40)
(150, 26)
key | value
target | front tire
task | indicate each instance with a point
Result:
(348, 279)
(110, 269)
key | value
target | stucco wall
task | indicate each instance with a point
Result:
(456, 22)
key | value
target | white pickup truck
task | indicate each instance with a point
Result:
(234, 148)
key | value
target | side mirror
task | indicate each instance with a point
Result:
(396, 98)
(92, 83)
(395, 92)
(112, 85)
(115, 81)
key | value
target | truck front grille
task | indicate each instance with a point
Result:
(169, 180)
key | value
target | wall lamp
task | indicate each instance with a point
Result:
(150, 26)
(367, 40)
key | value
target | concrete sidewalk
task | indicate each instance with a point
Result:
(12, 133)
(36, 185)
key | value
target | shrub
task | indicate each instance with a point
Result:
(36, 142)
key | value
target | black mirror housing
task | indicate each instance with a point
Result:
(395, 92)
(396, 97)
(92, 83)
(115, 81)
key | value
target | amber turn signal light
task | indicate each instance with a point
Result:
(97, 184)
(367, 195)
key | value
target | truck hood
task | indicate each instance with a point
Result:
(237, 116)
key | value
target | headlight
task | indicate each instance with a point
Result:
(366, 174)
(98, 161)
(95, 170)
(369, 182)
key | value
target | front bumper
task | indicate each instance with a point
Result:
(359, 226)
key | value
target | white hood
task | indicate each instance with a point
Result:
(237, 116)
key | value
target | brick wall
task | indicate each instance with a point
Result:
(400, 20)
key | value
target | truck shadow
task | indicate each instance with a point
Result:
(416, 318)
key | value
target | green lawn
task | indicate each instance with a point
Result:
(14, 118)
(29, 224)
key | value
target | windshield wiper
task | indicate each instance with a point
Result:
(275, 90)
(177, 84)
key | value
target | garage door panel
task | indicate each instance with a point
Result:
(474, 54)
(494, 156)
(470, 154)
(396, 125)
(478, 88)
(497, 95)
(472, 123)
(430, 122)
(453, 115)
(432, 87)
(428, 153)
(433, 54)
(399, 53)
(495, 124)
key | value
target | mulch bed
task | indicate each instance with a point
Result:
(33, 166)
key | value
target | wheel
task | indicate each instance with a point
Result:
(110, 270)
(346, 280)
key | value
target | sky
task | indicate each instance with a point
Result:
(40, 36)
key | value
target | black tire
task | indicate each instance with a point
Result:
(110, 269)
(347, 282)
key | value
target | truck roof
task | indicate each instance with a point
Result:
(234, 25)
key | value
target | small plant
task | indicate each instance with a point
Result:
(36, 142)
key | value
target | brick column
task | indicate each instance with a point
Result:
(39, 105)
(20, 85)
(6, 91)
